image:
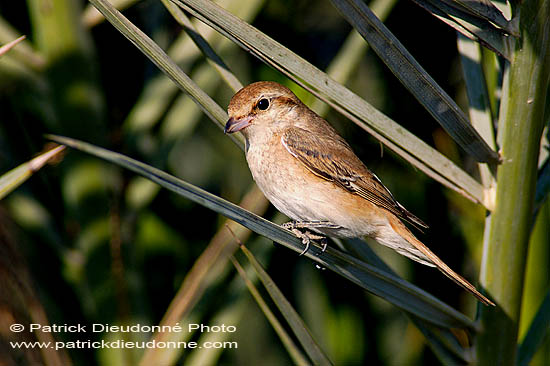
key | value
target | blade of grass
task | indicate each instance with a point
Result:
(479, 104)
(24, 54)
(230, 313)
(8, 46)
(160, 91)
(91, 17)
(543, 187)
(469, 25)
(294, 352)
(539, 329)
(298, 326)
(393, 289)
(165, 64)
(416, 79)
(407, 145)
(441, 341)
(486, 10)
(204, 271)
(350, 54)
(15, 177)
(203, 45)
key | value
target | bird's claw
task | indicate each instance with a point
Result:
(307, 236)
(309, 224)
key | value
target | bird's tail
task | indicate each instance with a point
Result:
(405, 233)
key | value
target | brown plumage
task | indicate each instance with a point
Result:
(311, 174)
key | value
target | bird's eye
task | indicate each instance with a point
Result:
(263, 104)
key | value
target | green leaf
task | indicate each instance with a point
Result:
(15, 177)
(441, 341)
(506, 241)
(416, 79)
(165, 64)
(478, 100)
(539, 329)
(294, 320)
(466, 21)
(350, 54)
(543, 187)
(203, 45)
(297, 357)
(91, 17)
(393, 289)
(486, 10)
(206, 272)
(8, 46)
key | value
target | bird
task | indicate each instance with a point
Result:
(311, 174)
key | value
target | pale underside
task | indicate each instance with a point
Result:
(307, 185)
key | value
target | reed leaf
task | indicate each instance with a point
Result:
(8, 46)
(442, 341)
(294, 352)
(203, 45)
(470, 23)
(416, 79)
(17, 176)
(479, 104)
(393, 289)
(539, 329)
(485, 9)
(165, 64)
(204, 273)
(298, 326)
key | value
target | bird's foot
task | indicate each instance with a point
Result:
(306, 235)
(309, 225)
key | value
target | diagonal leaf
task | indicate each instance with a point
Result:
(543, 187)
(469, 24)
(415, 79)
(203, 45)
(404, 143)
(294, 320)
(486, 10)
(158, 95)
(15, 177)
(539, 329)
(8, 46)
(393, 289)
(91, 17)
(205, 271)
(479, 102)
(24, 53)
(297, 357)
(441, 341)
(231, 313)
(165, 64)
(350, 54)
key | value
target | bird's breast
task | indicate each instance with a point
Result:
(304, 196)
(281, 180)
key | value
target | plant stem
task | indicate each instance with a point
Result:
(520, 128)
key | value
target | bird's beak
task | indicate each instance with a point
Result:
(235, 125)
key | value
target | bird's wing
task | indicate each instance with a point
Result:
(331, 158)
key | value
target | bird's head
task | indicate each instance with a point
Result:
(263, 107)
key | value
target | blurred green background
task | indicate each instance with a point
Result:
(88, 243)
